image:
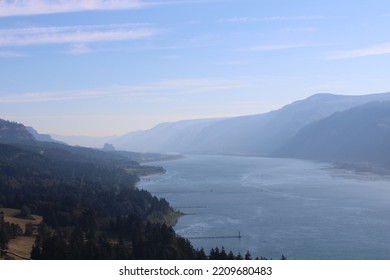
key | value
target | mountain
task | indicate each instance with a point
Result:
(89, 202)
(85, 141)
(256, 135)
(360, 135)
(12, 132)
(29, 139)
(40, 137)
(168, 137)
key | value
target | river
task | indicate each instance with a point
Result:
(302, 209)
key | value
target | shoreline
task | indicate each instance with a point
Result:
(168, 158)
(172, 217)
(361, 170)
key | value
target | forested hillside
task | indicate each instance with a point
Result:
(84, 199)
(89, 202)
(11, 132)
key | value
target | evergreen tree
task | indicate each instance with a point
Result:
(248, 256)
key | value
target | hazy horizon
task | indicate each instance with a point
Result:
(99, 68)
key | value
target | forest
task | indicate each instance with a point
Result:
(90, 205)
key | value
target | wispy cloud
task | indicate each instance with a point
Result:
(232, 62)
(33, 7)
(36, 7)
(276, 47)
(244, 19)
(29, 97)
(11, 54)
(375, 50)
(177, 87)
(152, 90)
(292, 18)
(80, 48)
(299, 29)
(238, 19)
(197, 85)
(72, 34)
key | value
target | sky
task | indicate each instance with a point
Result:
(108, 67)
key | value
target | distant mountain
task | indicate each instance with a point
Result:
(360, 134)
(257, 135)
(85, 141)
(12, 132)
(108, 148)
(39, 136)
(166, 137)
(28, 139)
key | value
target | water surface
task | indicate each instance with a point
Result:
(301, 209)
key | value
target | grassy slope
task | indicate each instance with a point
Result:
(22, 245)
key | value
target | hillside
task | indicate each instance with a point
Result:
(12, 132)
(29, 139)
(358, 135)
(88, 199)
(84, 141)
(89, 203)
(259, 135)
(174, 137)
(21, 246)
(40, 137)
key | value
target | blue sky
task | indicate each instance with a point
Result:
(107, 67)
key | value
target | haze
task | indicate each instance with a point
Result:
(103, 68)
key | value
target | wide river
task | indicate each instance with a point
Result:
(301, 209)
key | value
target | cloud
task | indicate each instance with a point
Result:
(376, 50)
(232, 62)
(80, 48)
(264, 48)
(152, 91)
(72, 34)
(38, 7)
(34, 7)
(300, 29)
(198, 85)
(11, 54)
(292, 18)
(32, 97)
(238, 20)
(273, 18)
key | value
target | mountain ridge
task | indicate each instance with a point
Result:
(11, 132)
(254, 135)
(358, 135)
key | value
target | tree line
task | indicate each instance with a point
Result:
(91, 208)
